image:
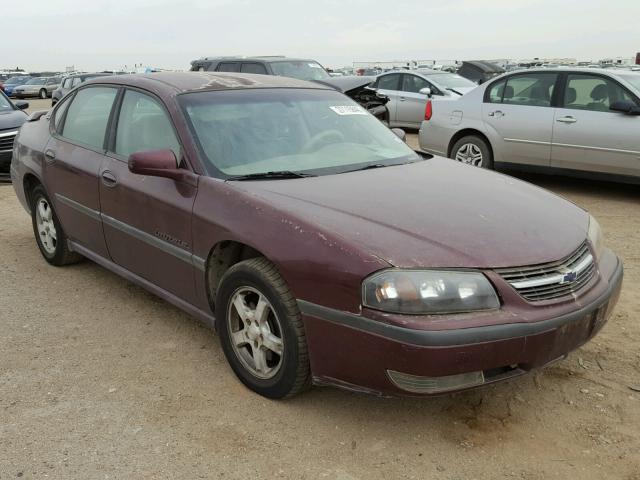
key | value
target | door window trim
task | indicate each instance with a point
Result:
(59, 136)
(565, 83)
(112, 126)
(555, 96)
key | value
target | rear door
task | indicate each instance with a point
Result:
(518, 114)
(587, 135)
(73, 158)
(389, 85)
(147, 220)
(411, 103)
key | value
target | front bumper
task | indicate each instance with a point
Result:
(359, 353)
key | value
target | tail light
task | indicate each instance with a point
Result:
(428, 111)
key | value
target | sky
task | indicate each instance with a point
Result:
(109, 34)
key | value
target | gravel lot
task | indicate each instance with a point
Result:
(99, 379)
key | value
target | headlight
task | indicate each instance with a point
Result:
(595, 236)
(428, 292)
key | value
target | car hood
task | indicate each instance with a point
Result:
(434, 213)
(12, 119)
(348, 83)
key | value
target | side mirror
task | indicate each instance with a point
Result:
(401, 134)
(425, 91)
(624, 106)
(21, 104)
(155, 163)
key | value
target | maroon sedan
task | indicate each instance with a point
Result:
(321, 247)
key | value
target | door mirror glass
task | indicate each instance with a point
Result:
(155, 163)
(425, 91)
(624, 106)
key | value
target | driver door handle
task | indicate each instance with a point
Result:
(567, 119)
(109, 179)
(402, 99)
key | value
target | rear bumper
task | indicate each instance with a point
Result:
(362, 354)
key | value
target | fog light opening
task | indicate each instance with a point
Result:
(431, 385)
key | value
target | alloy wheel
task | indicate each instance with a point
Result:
(45, 226)
(470, 153)
(255, 332)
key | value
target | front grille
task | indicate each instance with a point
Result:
(6, 140)
(552, 280)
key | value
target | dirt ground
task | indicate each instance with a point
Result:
(101, 380)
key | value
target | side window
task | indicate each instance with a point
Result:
(228, 67)
(67, 83)
(253, 68)
(413, 83)
(88, 115)
(389, 82)
(76, 81)
(534, 90)
(59, 114)
(494, 95)
(592, 92)
(144, 125)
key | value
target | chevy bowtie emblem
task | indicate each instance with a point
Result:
(569, 277)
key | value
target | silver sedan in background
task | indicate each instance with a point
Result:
(580, 122)
(41, 87)
(409, 90)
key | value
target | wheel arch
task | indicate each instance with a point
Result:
(222, 256)
(469, 131)
(29, 182)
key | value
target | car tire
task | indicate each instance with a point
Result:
(42, 94)
(253, 286)
(50, 237)
(473, 150)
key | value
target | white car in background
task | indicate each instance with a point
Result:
(409, 90)
(574, 121)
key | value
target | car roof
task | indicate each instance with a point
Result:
(174, 83)
(606, 71)
(264, 58)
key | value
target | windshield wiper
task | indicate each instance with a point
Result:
(454, 91)
(278, 174)
(375, 165)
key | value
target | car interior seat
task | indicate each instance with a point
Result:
(600, 97)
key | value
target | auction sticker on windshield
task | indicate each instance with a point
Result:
(349, 110)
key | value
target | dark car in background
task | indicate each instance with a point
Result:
(11, 83)
(71, 81)
(302, 69)
(11, 119)
(323, 249)
(479, 71)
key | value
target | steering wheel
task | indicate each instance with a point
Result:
(322, 138)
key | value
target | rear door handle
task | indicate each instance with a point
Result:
(496, 113)
(50, 155)
(109, 179)
(566, 120)
(402, 99)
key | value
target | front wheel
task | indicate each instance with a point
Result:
(261, 330)
(473, 150)
(43, 94)
(50, 237)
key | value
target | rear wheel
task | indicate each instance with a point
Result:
(472, 150)
(43, 93)
(50, 237)
(261, 330)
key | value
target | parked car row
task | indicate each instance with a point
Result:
(12, 117)
(282, 213)
(41, 87)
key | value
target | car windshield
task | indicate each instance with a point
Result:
(451, 80)
(317, 132)
(303, 70)
(16, 80)
(633, 79)
(4, 103)
(36, 81)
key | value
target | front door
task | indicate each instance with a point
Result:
(73, 158)
(589, 136)
(147, 220)
(518, 114)
(412, 103)
(389, 85)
